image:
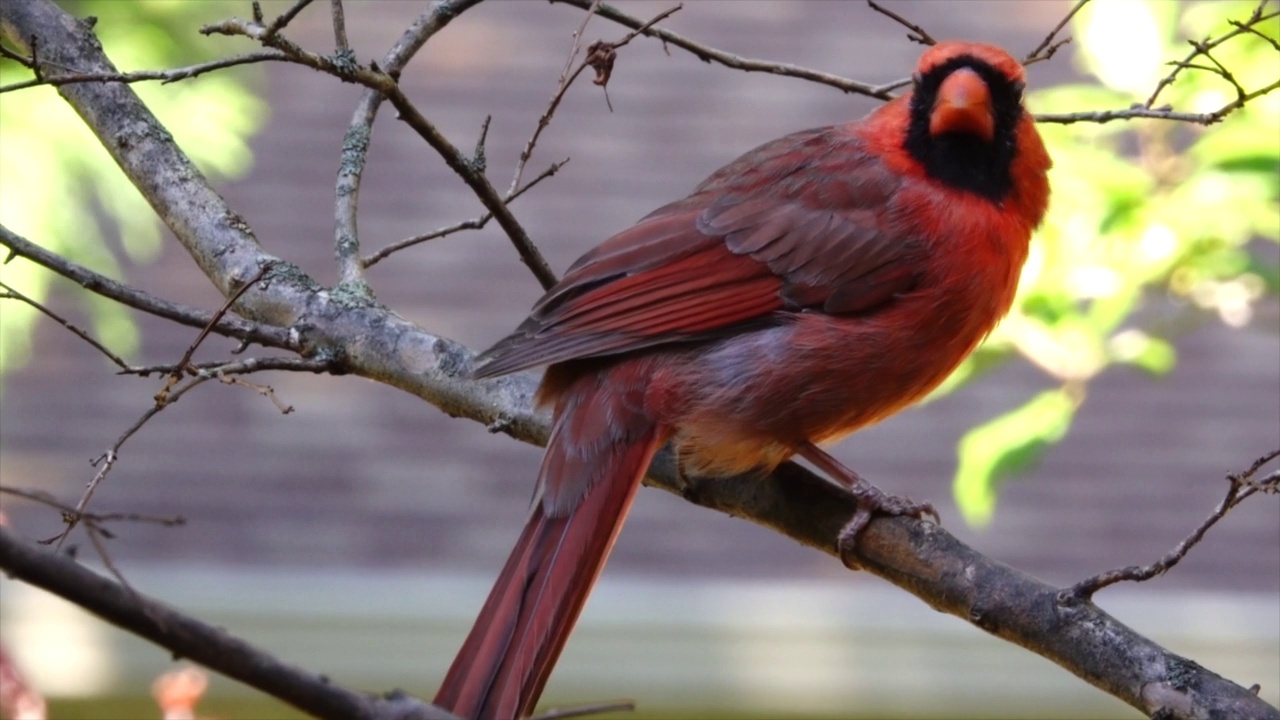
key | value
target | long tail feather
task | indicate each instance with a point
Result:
(502, 667)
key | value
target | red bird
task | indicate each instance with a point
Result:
(813, 286)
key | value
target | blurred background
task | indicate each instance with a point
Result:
(358, 535)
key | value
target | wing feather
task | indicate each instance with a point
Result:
(815, 236)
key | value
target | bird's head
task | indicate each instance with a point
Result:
(965, 116)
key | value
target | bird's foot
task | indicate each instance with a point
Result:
(871, 500)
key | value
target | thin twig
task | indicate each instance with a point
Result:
(562, 85)
(567, 78)
(165, 397)
(917, 34)
(176, 374)
(95, 537)
(710, 54)
(17, 57)
(235, 327)
(264, 390)
(1138, 111)
(164, 76)
(35, 59)
(472, 224)
(355, 143)
(9, 292)
(1047, 46)
(339, 27)
(1242, 486)
(239, 367)
(45, 498)
(1254, 31)
(1200, 48)
(1219, 69)
(386, 84)
(107, 460)
(285, 17)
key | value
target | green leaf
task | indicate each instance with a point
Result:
(993, 451)
(1152, 354)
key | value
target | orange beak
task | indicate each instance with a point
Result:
(963, 106)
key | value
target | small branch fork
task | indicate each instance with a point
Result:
(1241, 486)
(356, 141)
(170, 393)
(373, 77)
(1200, 49)
(94, 524)
(600, 57)
(472, 224)
(915, 34)
(230, 326)
(8, 293)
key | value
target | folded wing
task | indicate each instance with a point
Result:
(748, 247)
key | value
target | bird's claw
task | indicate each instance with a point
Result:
(871, 500)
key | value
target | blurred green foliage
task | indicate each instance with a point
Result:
(60, 189)
(1142, 210)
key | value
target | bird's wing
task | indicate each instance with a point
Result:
(758, 240)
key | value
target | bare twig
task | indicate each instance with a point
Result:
(562, 85)
(382, 82)
(339, 27)
(17, 57)
(1242, 486)
(264, 390)
(1139, 111)
(165, 397)
(283, 19)
(102, 285)
(567, 78)
(1199, 48)
(239, 367)
(1218, 68)
(96, 536)
(355, 143)
(9, 292)
(176, 374)
(710, 54)
(916, 33)
(164, 76)
(1048, 47)
(472, 224)
(107, 460)
(45, 498)
(1249, 28)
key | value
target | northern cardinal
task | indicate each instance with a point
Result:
(813, 286)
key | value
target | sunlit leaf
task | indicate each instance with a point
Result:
(992, 451)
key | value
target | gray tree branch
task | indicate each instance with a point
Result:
(372, 341)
